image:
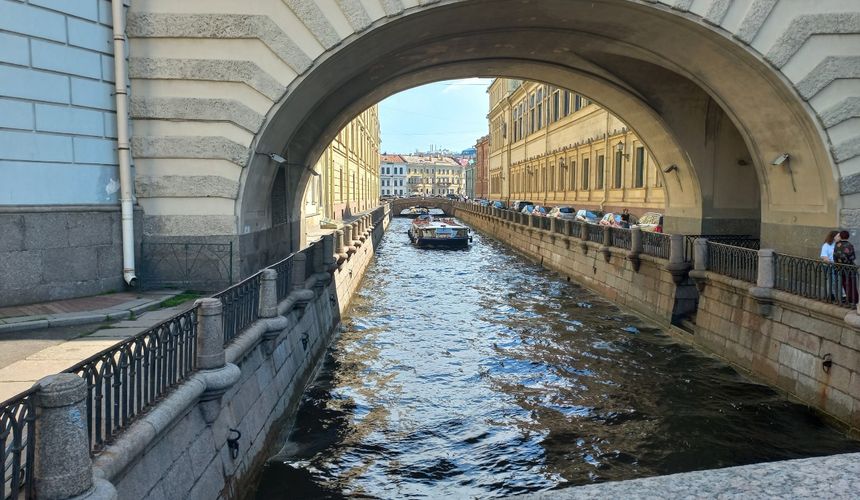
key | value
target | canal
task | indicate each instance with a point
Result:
(477, 373)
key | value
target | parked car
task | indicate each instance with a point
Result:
(651, 221)
(611, 219)
(539, 210)
(519, 205)
(562, 213)
(589, 216)
(499, 205)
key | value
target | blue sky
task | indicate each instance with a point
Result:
(450, 115)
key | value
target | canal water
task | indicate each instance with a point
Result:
(476, 374)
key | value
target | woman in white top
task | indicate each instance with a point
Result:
(832, 286)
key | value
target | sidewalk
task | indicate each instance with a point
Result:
(81, 311)
(37, 345)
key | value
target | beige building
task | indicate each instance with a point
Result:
(434, 175)
(553, 146)
(347, 173)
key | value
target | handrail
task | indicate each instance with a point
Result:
(655, 244)
(240, 305)
(17, 447)
(815, 279)
(620, 237)
(125, 378)
(733, 261)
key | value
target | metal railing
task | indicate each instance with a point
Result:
(545, 222)
(576, 229)
(735, 240)
(560, 226)
(240, 306)
(822, 281)
(733, 261)
(595, 233)
(17, 448)
(187, 265)
(284, 282)
(309, 263)
(655, 244)
(620, 237)
(125, 378)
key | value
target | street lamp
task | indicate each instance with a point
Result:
(620, 149)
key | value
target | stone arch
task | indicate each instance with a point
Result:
(759, 66)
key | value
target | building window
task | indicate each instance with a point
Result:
(540, 109)
(601, 167)
(640, 167)
(566, 103)
(619, 169)
(531, 125)
(572, 167)
(577, 102)
(586, 173)
(555, 103)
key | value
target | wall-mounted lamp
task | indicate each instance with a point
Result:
(562, 163)
(280, 160)
(620, 148)
(670, 168)
(781, 159)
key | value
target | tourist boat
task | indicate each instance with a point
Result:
(431, 232)
(421, 210)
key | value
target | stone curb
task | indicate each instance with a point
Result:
(83, 318)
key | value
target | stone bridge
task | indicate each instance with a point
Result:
(717, 89)
(402, 203)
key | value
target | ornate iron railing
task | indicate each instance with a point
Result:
(127, 377)
(545, 223)
(595, 233)
(191, 266)
(309, 263)
(816, 279)
(17, 433)
(656, 244)
(576, 229)
(733, 261)
(735, 240)
(285, 273)
(240, 305)
(619, 237)
(560, 226)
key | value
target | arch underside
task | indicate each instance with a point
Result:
(705, 105)
(690, 80)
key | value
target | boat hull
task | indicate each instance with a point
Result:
(441, 243)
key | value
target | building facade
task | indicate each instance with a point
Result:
(393, 176)
(348, 173)
(434, 175)
(482, 163)
(555, 147)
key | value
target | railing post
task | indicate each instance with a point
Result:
(300, 260)
(329, 253)
(762, 292)
(339, 246)
(607, 242)
(268, 307)
(347, 240)
(63, 468)
(700, 262)
(635, 248)
(583, 237)
(211, 358)
(319, 261)
(676, 266)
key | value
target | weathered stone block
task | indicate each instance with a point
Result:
(12, 231)
(20, 270)
(804, 340)
(91, 229)
(842, 355)
(178, 480)
(799, 361)
(45, 230)
(61, 265)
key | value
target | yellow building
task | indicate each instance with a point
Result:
(552, 146)
(348, 180)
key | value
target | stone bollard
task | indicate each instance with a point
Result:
(700, 254)
(298, 277)
(635, 248)
(583, 237)
(212, 366)
(268, 306)
(210, 334)
(676, 266)
(347, 240)
(329, 243)
(762, 292)
(607, 242)
(63, 468)
(339, 247)
(358, 231)
(319, 259)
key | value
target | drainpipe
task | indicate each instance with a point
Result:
(123, 151)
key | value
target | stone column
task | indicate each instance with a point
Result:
(359, 231)
(607, 242)
(210, 334)
(268, 294)
(317, 253)
(339, 245)
(700, 254)
(212, 366)
(676, 266)
(583, 237)
(298, 278)
(63, 468)
(763, 291)
(329, 254)
(347, 239)
(635, 248)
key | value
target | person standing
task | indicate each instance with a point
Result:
(843, 253)
(832, 287)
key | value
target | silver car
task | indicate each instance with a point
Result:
(562, 213)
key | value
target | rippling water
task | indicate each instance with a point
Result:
(476, 373)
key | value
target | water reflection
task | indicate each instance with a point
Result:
(476, 373)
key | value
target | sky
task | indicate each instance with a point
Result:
(449, 115)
